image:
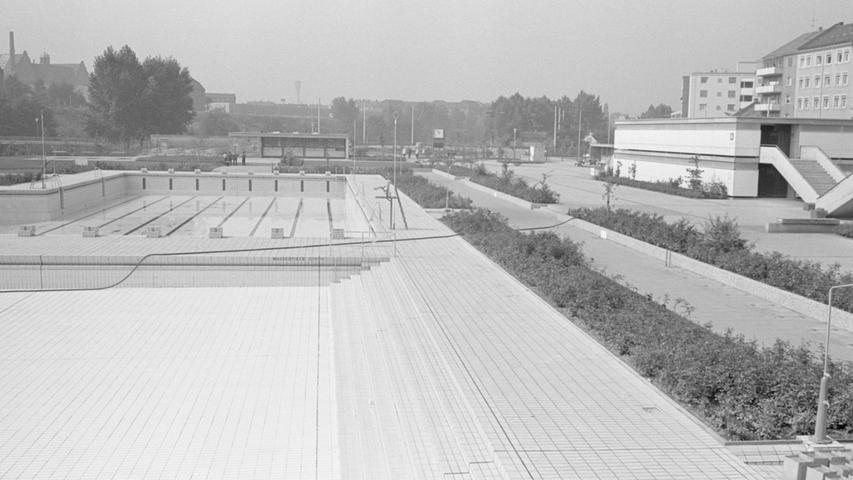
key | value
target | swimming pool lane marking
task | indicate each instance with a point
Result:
(158, 216)
(133, 211)
(263, 215)
(192, 217)
(296, 219)
(87, 216)
(233, 212)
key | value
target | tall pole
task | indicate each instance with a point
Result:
(393, 222)
(318, 115)
(514, 131)
(820, 421)
(43, 157)
(555, 126)
(363, 124)
(580, 120)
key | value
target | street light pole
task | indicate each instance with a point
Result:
(822, 403)
(43, 157)
(514, 131)
(393, 222)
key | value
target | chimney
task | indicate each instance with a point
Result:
(12, 47)
(45, 59)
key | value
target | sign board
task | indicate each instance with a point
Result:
(438, 138)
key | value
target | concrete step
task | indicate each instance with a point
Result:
(817, 177)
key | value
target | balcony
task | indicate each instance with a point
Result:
(768, 71)
(766, 89)
(767, 107)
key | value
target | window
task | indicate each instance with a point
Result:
(840, 56)
(719, 94)
(846, 55)
(731, 94)
(808, 60)
(826, 101)
(805, 103)
(829, 58)
(806, 82)
(836, 101)
(703, 107)
(802, 62)
(837, 79)
(703, 79)
(817, 81)
(790, 81)
(788, 99)
(844, 79)
(816, 102)
(732, 79)
(746, 84)
(791, 61)
(730, 107)
(703, 93)
(827, 81)
(800, 82)
(719, 80)
(746, 98)
(799, 104)
(844, 101)
(818, 59)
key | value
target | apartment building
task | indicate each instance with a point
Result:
(808, 77)
(716, 93)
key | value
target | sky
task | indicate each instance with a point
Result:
(631, 53)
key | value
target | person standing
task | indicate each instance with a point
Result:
(244, 157)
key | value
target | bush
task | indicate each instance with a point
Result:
(508, 183)
(743, 390)
(720, 244)
(428, 195)
(672, 186)
(845, 230)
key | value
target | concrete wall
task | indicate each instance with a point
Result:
(711, 137)
(740, 178)
(835, 140)
(29, 206)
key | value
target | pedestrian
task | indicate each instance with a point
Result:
(225, 158)
(244, 157)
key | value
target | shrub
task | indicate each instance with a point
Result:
(508, 183)
(721, 245)
(845, 230)
(743, 390)
(428, 195)
(672, 186)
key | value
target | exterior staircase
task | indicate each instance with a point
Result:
(815, 178)
(814, 174)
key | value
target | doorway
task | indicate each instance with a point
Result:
(771, 183)
(779, 135)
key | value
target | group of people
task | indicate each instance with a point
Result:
(231, 158)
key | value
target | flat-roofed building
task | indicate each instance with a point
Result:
(298, 145)
(716, 93)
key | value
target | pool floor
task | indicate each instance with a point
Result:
(195, 215)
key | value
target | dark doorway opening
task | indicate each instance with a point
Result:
(771, 183)
(779, 135)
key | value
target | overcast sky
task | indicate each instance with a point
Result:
(630, 52)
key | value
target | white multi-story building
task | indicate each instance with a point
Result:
(716, 93)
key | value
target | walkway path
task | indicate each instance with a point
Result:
(708, 301)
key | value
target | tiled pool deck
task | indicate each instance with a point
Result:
(433, 364)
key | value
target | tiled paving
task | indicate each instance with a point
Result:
(433, 364)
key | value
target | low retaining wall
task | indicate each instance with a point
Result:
(792, 301)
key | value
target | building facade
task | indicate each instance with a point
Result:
(716, 93)
(28, 72)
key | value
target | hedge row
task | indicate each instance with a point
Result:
(719, 243)
(672, 187)
(742, 390)
(508, 183)
(428, 195)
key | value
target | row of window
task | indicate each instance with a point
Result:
(825, 58)
(704, 94)
(729, 108)
(840, 81)
(731, 80)
(837, 101)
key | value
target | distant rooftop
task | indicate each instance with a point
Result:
(792, 46)
(838, 33)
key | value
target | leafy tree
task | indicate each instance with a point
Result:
(167, 106)
(130, 100)
(660, 111)
(19, 110)
(344, 112)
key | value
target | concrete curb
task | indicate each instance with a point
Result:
(792, 301)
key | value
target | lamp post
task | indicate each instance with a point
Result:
(394, 174)
(514, 131)
(40, 121)
(820, 422)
